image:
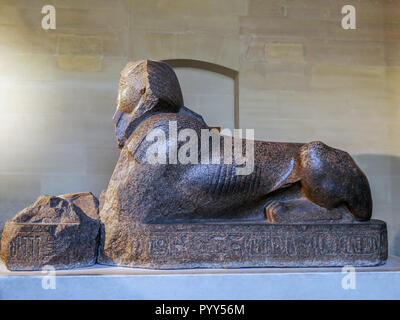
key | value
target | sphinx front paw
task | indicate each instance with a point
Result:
(301, 210)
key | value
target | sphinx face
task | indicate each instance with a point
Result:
(145, 86)
(130, 101)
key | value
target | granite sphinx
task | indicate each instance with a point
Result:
(302, 204)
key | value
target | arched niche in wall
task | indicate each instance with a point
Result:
(210, 90)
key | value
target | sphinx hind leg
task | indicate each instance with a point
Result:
(330, 178)
(290, 205)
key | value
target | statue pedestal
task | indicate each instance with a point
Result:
(254, 244)
(101, 282)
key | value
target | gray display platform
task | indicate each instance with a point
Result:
(102, 282)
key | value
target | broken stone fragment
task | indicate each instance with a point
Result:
(59, 231)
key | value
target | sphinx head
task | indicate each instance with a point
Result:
(145, 87)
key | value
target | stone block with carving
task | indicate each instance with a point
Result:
(60, 231)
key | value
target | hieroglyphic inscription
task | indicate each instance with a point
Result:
(317, 244)
(250, 245)
(31, 246)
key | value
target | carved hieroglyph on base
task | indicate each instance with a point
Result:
(257, 244)
(303, 205)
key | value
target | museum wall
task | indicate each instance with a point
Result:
(210, 94)
(301, 78)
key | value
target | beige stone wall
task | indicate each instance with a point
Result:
(210, 94)
(301, 78)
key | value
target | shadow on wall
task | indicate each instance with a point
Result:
(383, 172)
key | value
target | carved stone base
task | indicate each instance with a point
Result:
(254, 244)
(57, 231)
(62, 246)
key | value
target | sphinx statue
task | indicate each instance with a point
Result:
(292, 184)
(290, 181)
